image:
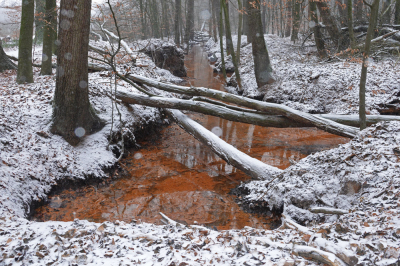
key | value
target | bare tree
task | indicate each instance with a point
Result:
(73, 117)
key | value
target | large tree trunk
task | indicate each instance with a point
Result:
(262, 63)
(267, 108)
(370, 34)
(318, 37)
(330, 24)
(25, 72)
(73, 116)
(48, 38)
(189, 33)
(5, 62)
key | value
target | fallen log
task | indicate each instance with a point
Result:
(268, 108)
(249, 165)
(240, 114)
(210, 109)
(317, 255)
(326, 210)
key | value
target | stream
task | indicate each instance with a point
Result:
(182, 178)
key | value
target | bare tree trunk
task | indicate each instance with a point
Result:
(296, 19)
(358, 10)
(73, 116)
(239, 41)
(229, 42)
(397, 13)
(178, 18)
(319, 41)
(142, 20)
(48, 38)
(351, 24)
(370, 34)
(221, 42)
(386, 12)
(262, 63)
(25, 72)
(189, 34)
(288, 18)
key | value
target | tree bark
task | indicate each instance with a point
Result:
(229, 42)
(48, 38)
(25, 72)
(318, 37)
(221, 42)
(189, 34)
(268, 108)
(262, 63)
(5, 62)
(397, 13)
(295, 20)
(73, 117)
(351, 24)
(240, 29)
(178, 15)
(142, 20)
(370, 33)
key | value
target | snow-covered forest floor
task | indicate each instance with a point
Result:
(362, 177)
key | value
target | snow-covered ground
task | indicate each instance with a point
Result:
(362, 177)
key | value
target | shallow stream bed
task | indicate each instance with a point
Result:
(182, 178)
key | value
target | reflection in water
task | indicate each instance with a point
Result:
(182, 178)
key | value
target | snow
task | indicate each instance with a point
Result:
(361, 177)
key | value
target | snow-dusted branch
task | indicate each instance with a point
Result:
(268, 108)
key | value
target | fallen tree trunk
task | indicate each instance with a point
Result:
(250, 166)
(269, 108)
(241, 115)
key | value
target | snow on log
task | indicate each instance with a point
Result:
(250, 166)
(317, 255)
(327, 210)
(354, 120)
(210, 109)
(123, 43)
(269, 108)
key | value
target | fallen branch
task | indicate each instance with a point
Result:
(268, 108)
(327, 210)
(123, 43)
(317, 255)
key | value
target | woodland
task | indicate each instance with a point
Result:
(99, 93)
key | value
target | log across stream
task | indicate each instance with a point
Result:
(182, 178)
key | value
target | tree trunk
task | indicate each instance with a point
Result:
(288, 18)
(165, 26)
(40, 13)
(48, 38)
(351, 24)
(370, 33)
(246, 19)
(397, 13)
(330, 24)
(358, 10)
(73, 117)
(189, 34)
(318, 37)
(229, 42)
(5, 62)
(221, 41)
(142, 20)
(296, 19)
(386, 12)
(178, 18)
(25, 72)
(262, 64)
(239, 41)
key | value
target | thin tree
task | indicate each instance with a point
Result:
(262, 63)
(240, 26)
(397, 13)
(221, 41)
(25, 72)
(189, 34)
(370, 34)
(350, 24)
(73, 117)
(178, 15)
(48, 38)
(229, 42)
(296, 19)
(142, 20)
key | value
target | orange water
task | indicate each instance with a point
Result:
(182, 178)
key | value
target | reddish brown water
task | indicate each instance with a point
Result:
(184, 179)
